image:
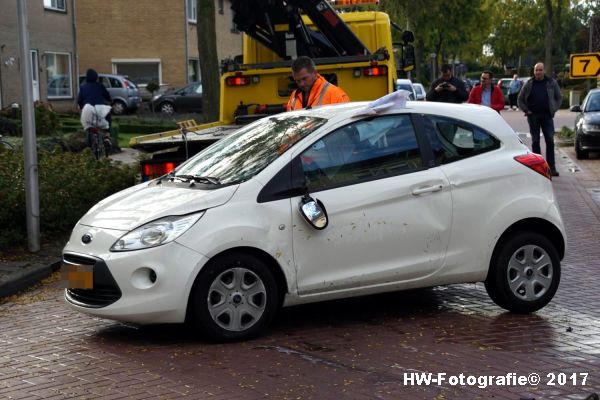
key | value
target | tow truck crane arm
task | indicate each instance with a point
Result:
(262, 19)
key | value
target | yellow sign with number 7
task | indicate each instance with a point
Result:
(585, 65)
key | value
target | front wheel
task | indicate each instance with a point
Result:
(167, 108)
(234, 298)
(524, 274)
(579, 152)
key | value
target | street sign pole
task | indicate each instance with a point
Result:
(29, 138)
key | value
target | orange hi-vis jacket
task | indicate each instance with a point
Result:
(322, 92)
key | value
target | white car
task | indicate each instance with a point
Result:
(420, 91)
(338, 201)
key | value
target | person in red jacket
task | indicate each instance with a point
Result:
(313, 90)
(487, 94)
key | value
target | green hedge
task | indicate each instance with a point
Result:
(69, 185)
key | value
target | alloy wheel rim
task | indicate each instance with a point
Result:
(530, 272)
(237, 299)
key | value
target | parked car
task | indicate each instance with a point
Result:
(342, 200)
(420, 91)
(468, 85)
(504, 83)
(587, 125)
(185, 99)
(123, 92)
(406, 84)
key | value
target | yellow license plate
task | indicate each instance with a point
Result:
(77, 276)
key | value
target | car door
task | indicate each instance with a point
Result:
(191, 99)
(389, 215)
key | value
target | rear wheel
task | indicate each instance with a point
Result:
(97, 147)
(524, 274)
(234, 298)
(579, 152)
(167, 108)
(118, 107)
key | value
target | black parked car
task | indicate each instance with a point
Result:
(186, 99)
(587, 125)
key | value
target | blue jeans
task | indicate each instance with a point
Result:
(545, 122)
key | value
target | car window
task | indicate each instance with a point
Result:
(114, 82)
(198, 89)
(249, 150)
(104, 80)
(362, 151)
(453, 140)
(592, 103)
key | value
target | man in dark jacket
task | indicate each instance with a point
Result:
(539, 99)
(92, 92)
(447, 89)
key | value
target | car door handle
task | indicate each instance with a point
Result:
(427, 189)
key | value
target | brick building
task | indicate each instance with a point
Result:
(52, 49)
(149, 41)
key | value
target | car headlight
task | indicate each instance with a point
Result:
(156, 233)
(591, 127)
(156, 97)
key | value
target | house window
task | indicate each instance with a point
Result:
(58, 70)
(193, 71)
(191, 10)
(141, 72)
(59, 5)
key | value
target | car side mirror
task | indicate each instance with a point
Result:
(575, 108)
(313, 212)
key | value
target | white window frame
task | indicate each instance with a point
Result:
(190, 8)
(53, 5)
(70, 75)
(115, 61)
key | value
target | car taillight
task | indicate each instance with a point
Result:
(536, 162)
(238, 80)
(375, 71)
(126, 85)
(152, 171)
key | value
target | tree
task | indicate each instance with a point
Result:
(209, 60)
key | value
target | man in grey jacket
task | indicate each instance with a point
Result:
(540, 98)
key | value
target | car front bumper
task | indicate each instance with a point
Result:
(144, 286)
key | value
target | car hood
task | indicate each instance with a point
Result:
(147, 202)
(592, 117)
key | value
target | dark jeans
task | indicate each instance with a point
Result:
(512, 99)
(545, 122)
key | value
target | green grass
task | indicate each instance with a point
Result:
(125, 137)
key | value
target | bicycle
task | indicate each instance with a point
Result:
(4, 145)
(97, 129)
(100, 142)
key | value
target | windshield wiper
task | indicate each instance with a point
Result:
(203, 179)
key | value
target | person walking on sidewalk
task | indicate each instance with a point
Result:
(539, 99)
(487, 94)
(513, 92)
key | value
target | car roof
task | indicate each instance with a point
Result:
(479, 115)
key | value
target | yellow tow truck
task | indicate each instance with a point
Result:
(352, 49)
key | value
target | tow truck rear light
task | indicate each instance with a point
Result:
(152, 171)
(375, 71)
(238, 81)
(536, 162)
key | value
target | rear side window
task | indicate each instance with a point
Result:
(362, 151)
(453, 140)
(114, 82)
(104, 80)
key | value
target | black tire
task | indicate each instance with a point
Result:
(167, 108)
(119, 108)
(223, 309)
(524, 273)
(579, 152)
(96, 146)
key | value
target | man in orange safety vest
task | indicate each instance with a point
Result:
(313, 90)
